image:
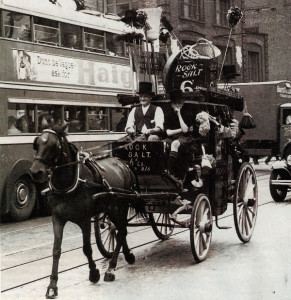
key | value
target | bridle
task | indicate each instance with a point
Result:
(57, 165)
(60, 149)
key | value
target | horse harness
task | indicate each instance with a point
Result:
(81, 158)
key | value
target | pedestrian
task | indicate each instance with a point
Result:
(268, 159)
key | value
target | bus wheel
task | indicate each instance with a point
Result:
(23, 198)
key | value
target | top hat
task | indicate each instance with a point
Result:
(145, 88)
(175, 94)
(229, 72)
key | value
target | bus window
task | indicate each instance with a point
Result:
(98, 118)
(94, 40)
(46, 31)
(17, 26)
(119, 7)
(76, 118)
(48, 115)
(71, 36)
(119, 119)
(113, 46)
(287, 116)
(20, 118)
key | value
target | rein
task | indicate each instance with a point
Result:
(81, 158)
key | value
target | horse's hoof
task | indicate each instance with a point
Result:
(109, 277)
(130, 258)
(94, 276)
(51, 293)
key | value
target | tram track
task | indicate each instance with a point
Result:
(73, 237)
(33, 263)
(98, 260)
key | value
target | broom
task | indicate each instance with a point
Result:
(234, 15)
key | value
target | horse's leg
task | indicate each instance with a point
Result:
(94, 274)
(129, 256)
(58, 226)
(109, 274)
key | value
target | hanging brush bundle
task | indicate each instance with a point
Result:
(247, 121)
(168, 31)
(234, 15)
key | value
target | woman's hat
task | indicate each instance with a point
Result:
(145, 88)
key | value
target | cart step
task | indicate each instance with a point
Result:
(221, 227)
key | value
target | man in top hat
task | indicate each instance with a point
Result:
(146, 119)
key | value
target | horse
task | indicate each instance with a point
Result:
(73, 178)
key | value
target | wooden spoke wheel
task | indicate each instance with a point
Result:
(245, 204)
(278, 192)
(105, 234)
(201, 227)
(159, 222)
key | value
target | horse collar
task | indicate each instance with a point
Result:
(50, 131)
(74, 185)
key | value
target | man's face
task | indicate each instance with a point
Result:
(145, 99)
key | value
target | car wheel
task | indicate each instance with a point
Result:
(278, 192)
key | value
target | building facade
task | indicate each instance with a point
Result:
(272, 18)
(258, 46)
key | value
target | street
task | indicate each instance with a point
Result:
(259, 269)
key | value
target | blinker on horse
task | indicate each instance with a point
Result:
(73, 178)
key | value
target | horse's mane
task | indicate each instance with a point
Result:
(63, 178)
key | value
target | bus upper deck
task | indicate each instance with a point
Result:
(61, 64)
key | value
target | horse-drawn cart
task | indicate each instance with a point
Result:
(224, 178)
(81, 187)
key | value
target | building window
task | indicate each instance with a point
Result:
(253, 66)
(17, 26)
(221, 8)
(193, 9)
(119, 7)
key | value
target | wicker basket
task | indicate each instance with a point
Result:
(206, 48)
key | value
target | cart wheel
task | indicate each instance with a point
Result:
(245, 204)
(201, 227)
(162, 232)
(278, 193)
(105, 234)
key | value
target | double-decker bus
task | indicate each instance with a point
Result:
(56, 65)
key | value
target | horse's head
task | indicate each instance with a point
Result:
(50, 152)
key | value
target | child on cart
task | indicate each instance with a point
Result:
(182, 133)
